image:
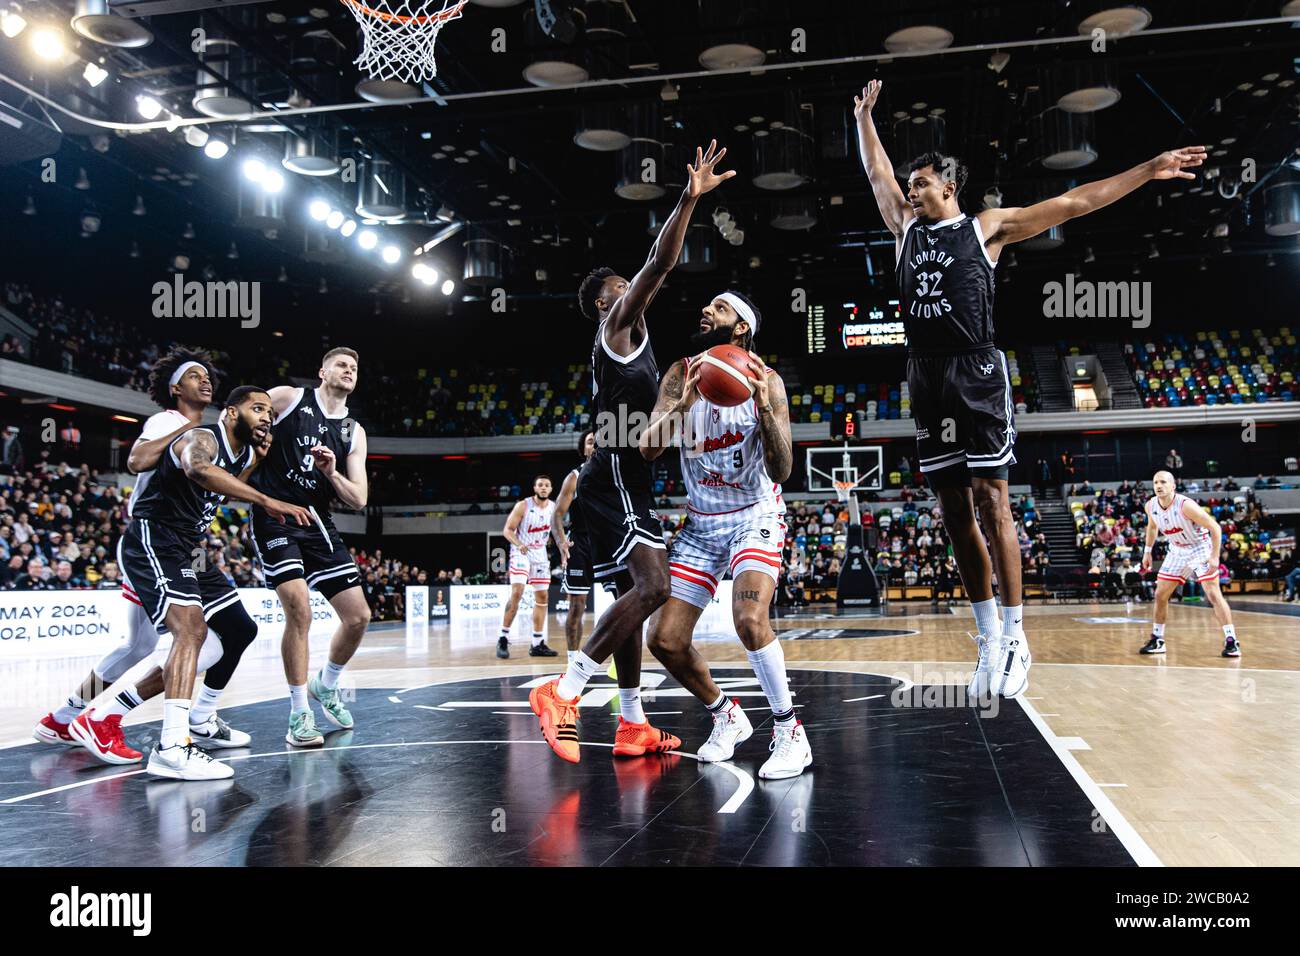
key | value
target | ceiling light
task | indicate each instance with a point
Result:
(12, 24)
(148, 107)
(318, 209)
(367, 239)
(139, 209)
(272, 181)
(195, 137)
(47, 44)
(189, 231)
(94, 74)
(82, 182)
(254, 169)
(215, 148)
(448, 287)
(334, 219)
(918, 39)
(348, 228)
(29, 207)
(232, 252)
(391, 254)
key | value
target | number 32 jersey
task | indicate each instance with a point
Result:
(289, 471)
(945, 285)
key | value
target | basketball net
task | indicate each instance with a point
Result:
(844, 492)
(398, 36)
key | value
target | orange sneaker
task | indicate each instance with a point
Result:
(633, 740)
(558, 718)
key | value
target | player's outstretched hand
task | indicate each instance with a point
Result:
(702, 177)
(282, 511)
(863, 105)
(689, 393)
(758, 378)
(1174, 163)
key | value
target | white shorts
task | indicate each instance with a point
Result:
(1190, 560)
(708, 546)
(532, 569)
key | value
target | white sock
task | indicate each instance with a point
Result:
(539, 637)
(718, 705)
(298, 698)
(205, 704)
(581, 668)
(71, 710)
(1229, 632)
(1013, 617)
(176, 723)
(986, 617)
(123, 702)
(505, 632)
(769, 666)
(629, 700)
(1158, 630)
(330, 674)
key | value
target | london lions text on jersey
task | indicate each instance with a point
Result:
(289, 472)
(173, 500)
(945, 282)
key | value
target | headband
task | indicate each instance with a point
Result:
(185, 367)
(742, 308)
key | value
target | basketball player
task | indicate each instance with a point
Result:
(196, 473)
(961, 392)
(181, 382)
(733, 461)
(1195, 540)
(319, 453)
(527, 528)
(624, 534)
(575, 556)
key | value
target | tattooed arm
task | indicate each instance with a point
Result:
(676, 395)
(773, 419)
(195, 450)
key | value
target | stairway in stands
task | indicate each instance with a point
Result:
(1053, 389)
(1123, 393)
(1058, 525)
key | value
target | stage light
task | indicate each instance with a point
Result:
(195, 137)
(148, 107)
(12, 24)
(424, 273)
(272, 181)
(391, 254)
(94, 74)
(215, 148)
(448, 287)
(367, 239)
(47, 44)
(319, 209)
(348, 228)
(334, 219)
(254, 169)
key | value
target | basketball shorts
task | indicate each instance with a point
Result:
(708, 546)
(160, 570)
(577, 573)
(617, 509)
(964, 415)
(1189, 560)
(532, 569)
(315, 552)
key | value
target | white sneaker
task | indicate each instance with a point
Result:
(186, 762)
(1009, 668)
(981, 679)
(790, 753)
(730, 727)
(215, 732)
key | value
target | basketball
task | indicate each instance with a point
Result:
(724, 379)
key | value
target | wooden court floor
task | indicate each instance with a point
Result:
(1191, 758)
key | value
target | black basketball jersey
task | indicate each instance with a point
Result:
(622, 387)
(945, 286)
(172, 499)
(289, 471)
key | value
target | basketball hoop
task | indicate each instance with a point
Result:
(398, 36)
(844, 489)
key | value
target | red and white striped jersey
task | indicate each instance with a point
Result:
(535, 527)
(722, 458)
(1180, 530)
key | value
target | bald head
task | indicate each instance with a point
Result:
(1163, 484)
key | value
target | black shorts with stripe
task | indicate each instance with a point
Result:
(617, 509)
(161, 570)
(964, 415)
(315, 552)
(577, 573)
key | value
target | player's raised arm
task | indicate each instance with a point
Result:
(195, 451)
(667, 248)
(894, 208)
(1005, 226)
(511, 529)
(282, 396)
(676, 395)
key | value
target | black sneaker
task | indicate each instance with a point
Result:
(1154, 646)
(503, 648)
(541, 650)
(1231, 648)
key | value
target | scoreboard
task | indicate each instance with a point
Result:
(855, 327)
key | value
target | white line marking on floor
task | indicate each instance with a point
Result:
(1112, 785)
(1074, 743)
(854, 700)
(394, 699)
(1137, 847)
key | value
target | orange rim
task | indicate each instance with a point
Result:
(441, 17)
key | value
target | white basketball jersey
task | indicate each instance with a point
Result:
(535, 527)
(724, 468)
(155, 426)
(1174, 525)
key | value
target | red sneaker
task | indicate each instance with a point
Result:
(50, 731)
(558, 719)
(633, 740)
(103, 738)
